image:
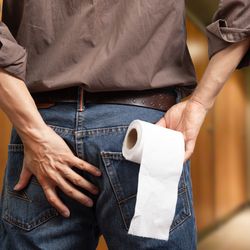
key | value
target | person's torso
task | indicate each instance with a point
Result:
(102, 44)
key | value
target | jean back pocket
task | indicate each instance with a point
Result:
(28, 208)
(123, 176)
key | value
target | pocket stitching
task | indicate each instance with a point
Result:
(183, 218)
(182, 191)
(30, 223)
(19, 194)
(41, 219)
(128, 198)
(107, 164)
(15, 148)
(119, 156)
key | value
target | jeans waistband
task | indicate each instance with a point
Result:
(160, 99)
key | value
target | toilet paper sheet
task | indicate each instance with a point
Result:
(160, 153)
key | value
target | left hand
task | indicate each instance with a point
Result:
(186, 117)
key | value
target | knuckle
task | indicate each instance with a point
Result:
(67, 174)
(87, 201)
(82, 166)
(70, 192)
(77, 180)
(69, 161)
(40, 179)
(46, 187)
(52, 200)
(91, 169)
(60, 168)
(54, 178)
(93, 190)
(91, 187)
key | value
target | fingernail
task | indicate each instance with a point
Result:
(98, 172)
(95, 190)
(66, 213)
(16, 187)
(89, 203)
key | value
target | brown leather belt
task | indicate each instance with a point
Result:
(161, 99)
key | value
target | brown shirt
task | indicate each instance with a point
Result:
(109, 44)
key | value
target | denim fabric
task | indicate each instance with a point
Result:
(95, 134)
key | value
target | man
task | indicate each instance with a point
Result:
(230, 36)
(91, 68)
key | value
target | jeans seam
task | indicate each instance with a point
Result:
(47, 215)
(127, 198)
(112, 155)
(182, 191)
(187, 212)
(15, 147)
(106, 164)
(63, 130)
(19, 194)
(103, 131)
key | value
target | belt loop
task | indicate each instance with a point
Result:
(178, 94)
(81, 93)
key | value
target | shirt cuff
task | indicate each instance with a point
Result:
(220, 36)
(13, 57)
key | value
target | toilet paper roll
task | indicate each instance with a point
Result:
(160, 153)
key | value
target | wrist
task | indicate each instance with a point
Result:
(204, 104)
(34, 133)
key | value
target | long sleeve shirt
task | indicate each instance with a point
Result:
(107, 45)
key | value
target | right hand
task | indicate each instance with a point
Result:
(186, 117)
(50, 160)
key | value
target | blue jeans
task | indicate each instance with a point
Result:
(94, 134)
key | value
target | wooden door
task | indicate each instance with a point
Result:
(202, 162)
(230, 146)
(219, 162)
(5, 128)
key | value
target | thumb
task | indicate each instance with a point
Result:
(189, 149)
(23, 180)
(162, 122)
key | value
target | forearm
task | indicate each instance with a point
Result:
(219, 69)
(46, 155)
(17, 103)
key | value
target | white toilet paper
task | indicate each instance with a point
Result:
(160, 153)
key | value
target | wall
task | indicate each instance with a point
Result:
(247, 73)
(219, 166)
(4, 138)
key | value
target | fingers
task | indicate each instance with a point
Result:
(83, 165)
(23, 180)
(161, 122)
(79, 180)
(189, 149)
(72, 192)
(57, 179)
(68, 189)
(52, 197)
(165, 121)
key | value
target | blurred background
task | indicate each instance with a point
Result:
(220, 164)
